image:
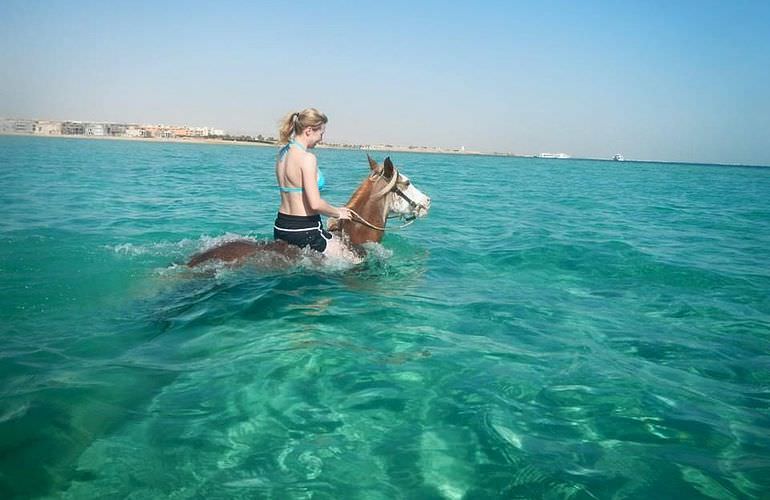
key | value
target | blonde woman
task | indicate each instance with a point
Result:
(300, 183)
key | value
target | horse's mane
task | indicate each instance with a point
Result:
(361, 194)
(361, 201)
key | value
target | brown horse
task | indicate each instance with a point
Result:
(385, 193)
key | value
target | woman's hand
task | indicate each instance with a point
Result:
(344, 213)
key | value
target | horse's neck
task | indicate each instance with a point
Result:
(372, 210)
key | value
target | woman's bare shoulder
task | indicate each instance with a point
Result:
(308, 160)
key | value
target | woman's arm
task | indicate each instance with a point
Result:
(309, 168)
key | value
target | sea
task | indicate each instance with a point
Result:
(552, 329)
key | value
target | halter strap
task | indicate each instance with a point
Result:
(298, 145)
(289, 144)
(282, 153)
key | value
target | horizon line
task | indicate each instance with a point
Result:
(341, 145)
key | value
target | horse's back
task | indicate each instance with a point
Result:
(226, 252)
(275, 253)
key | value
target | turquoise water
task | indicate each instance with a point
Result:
(553, 329)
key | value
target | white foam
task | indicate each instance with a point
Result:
(207, 242)
(176, 249)
(155, 249)
(377, 251)
(340, 260)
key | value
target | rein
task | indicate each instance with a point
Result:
(361, 220)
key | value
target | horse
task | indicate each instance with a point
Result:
(385, 193)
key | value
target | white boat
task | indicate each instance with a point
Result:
(618, 157)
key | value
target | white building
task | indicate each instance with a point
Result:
(16, 126)
(6, 125)
(25, 126)
(72, 128)
(44, 127)
(95, 129)
(116, 129)
(134, 132)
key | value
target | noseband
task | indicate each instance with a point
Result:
(412, 204)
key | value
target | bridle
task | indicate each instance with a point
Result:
(412, 204)
(392, 187)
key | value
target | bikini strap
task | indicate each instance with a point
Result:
(282, 153)
(298, 145)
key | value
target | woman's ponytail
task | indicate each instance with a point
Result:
(296, 122)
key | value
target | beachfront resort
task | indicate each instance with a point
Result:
(104, 129)
(87, 129)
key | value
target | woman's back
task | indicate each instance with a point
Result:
(299, 181)
(288, 173)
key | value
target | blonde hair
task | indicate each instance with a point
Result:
(295, 123)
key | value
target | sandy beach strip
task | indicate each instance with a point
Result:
(200, 140)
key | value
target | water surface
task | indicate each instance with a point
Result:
(554, 328)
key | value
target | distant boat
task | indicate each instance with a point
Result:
(618, 157)
(553, 155)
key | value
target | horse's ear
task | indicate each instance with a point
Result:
(388, 167)
(372, 164)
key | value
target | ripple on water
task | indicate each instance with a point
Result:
(584, 329)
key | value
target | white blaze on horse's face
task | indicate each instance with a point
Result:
(406, 200)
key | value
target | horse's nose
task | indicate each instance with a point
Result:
(426, 205)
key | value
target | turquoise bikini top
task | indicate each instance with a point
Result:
(282, 153)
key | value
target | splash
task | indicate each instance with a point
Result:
(175, 249)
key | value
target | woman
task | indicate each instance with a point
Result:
(300, 182)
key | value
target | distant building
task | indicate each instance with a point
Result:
(73, 128)
(133, 131)
(151, 131)
(204, 132)
(103, 129)
(6, 125)
(116, 129)
(17, 126)
(95, 129)
(176, 132)
(25, 126)
(44, 127)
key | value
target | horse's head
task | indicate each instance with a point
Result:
(385, 193)
(402, 198)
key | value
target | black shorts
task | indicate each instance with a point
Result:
(302, 231)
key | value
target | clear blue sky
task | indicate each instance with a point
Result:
(680, 81)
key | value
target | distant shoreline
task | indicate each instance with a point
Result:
(199, 140)
(190, 140)
(366, 149)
